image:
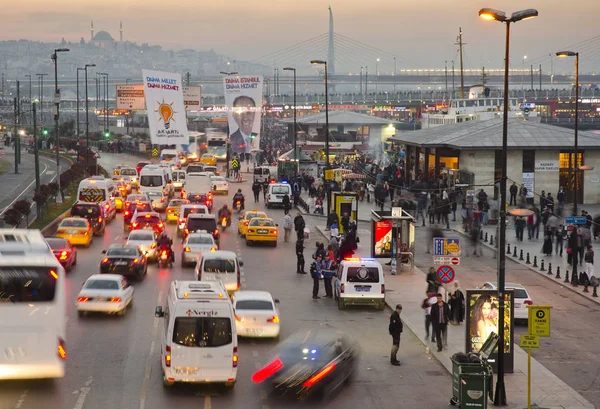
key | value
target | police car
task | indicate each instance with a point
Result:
(359, 281)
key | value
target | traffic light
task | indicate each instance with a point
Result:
(44, 132)
(106, 134)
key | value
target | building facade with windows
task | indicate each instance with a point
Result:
(540, 156)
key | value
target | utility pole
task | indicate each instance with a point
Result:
(16, 137)
(187, 79)
(453, 85)
(462, 73)
(30, 100)
(531, 77)
(446, 78)
(36, 154)
(367, 80)
(540, 77)
(483, 75)
(361, 82)
(41, 79)
(18, 122)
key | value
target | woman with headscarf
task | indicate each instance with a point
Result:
(457, 304)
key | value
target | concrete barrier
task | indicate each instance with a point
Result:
(50, 229)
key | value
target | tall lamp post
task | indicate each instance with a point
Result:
(56, 113)
(324, 63)
(87, 121)
(105, 105)
(30, 99)
(491, 14)
(41, 84)
(295, 123)
(77, 124)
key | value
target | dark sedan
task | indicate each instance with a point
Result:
(310, 363)
(125, 260)
(140, 207)
(65, 253)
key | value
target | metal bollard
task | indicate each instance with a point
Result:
(543, 268)
(535, 261)
(521, 255)
(566, 277)
(549, 269)
(527, 261)
(481, 234)
(491, 240)
(585, 288)
(595, 293)
(515, 251)
(508, 249)
(557, 272)
(486, 237)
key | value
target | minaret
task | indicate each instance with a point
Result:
(92, 31)
(121, 31)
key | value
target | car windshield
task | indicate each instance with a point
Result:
(520, 293)
(176, 202)
(202, 332)
(128, 172)
(363, 275)
(154, 195)
(85, 210)
(254, 305)
(147, 219)
(201, 224)
(143, 207)
(219, 266)
(122, 251)
(219, 179)
(253, 215)
(27, 284)
(57, 244)
(151, 181)
(280, 190)
(141, 236)
(140, 198)
(102, 285)
(258, 221)
(205, 239)
(74, 223)
(188, 210)
(193, 168)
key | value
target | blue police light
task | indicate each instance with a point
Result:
(313, 351)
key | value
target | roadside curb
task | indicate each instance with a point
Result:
(552, 277)
(49, 229)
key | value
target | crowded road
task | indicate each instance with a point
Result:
(114, 362)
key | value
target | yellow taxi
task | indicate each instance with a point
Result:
(119, 199)
(173, 209)
(262, 230)
(77, 230)
(209, 159)
(245, 218)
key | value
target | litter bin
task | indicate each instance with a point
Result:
(472, 376)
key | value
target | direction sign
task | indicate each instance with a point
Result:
(576, 220)
(445, 274)
(446, 260)
(529, 341)
(539, 320)
(154, 152)
(446, 247)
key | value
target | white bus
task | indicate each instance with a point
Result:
(32, 307)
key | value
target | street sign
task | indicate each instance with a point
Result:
(396, 212)
(445, 274)
(328, 174)
(446, 247)
(539, 320)
(529, 341)
(576, 220)
(154, 152)
(446, 260)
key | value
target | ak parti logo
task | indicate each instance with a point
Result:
(166, 112)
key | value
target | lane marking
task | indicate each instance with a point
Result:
(257, 365)
(83, 393)
(21, 399)
(263, 394)
(207, 402)
(255, 353)
(25, 191)
(148, 370)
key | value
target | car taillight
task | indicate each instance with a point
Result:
(160, 225)
(106, 206)
(135, 261)
(250, 230)
(64, 255)
(168, 356)
(234, 357)
(274, 231)
(99, 219)
(319, 375)
(267, 370)
(216, 232)
(60, 349)
(82, 299)
(342, 288)
(115, 299)
(187, 249)
(181, 221)
(54, 274)
(382, 288)
(60, 231)
(274, 319)
(528, 302)
(170, 210)
(186, 231)
(246, 223)
(134, 224)
(238, 318)
(162, 199)
(164, 254)
(105, 260)
(126, 214)
(153, 245)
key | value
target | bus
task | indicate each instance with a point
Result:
(32, 307)
(217, 145)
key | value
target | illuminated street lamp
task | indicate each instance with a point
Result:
(491, 14)
(295, 124)
(324, 63)
(56, 113)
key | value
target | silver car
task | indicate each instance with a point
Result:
(193, 247)
(158, 201)
(146, 241)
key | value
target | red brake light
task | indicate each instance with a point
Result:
(126, 214)
(63, 255)
(267, 371)
(134, 224)
(382, 288)
(62, 352)
(216, 232)
(54, 274)
(342, 288)
(319, 375)
(160, 225)
(187, 249)
(100, 218)
(82, 299)
(105, 260)
(528, 302)
(170, 210)
(168, 356)
(106, 206)
(147, 216)
(274, 319)
(135, 261)
(153, 245)
(234, 358)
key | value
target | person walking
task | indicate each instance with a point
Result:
(265, 187)
(299, 225)
(300, 257)
(589, 262)
(395, 329)
(328, 270)
(427, 303)
(286, 203)
(315, 273)
(287, 226)
(558, 239)
(433, 284)
(440, 315)
(256, 190)
(513, 194)
(457, 304)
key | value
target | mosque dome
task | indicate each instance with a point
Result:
(103, 36)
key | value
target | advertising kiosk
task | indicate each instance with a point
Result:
(393, 236)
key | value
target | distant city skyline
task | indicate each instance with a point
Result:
(418, 36)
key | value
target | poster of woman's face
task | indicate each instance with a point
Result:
(483, 318)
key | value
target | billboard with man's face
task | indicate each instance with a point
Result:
(243, 97)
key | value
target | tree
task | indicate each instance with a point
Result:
(45, 190)
(39, 199)
(12, 217)
(67, 129)
(53, 188)
(24, 208)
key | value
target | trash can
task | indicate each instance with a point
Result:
(474, 388)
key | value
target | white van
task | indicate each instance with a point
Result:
(197, 183)
(178, 179)
(276, 192)
(359, 281)
(170, 157)
(98, 189)
(154, 178)
(262, 174)
(199, 342)
(220, 265)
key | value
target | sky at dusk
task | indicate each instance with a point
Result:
(419, 33)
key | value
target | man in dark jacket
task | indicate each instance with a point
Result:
(513, 194)
(300, 257)
(299, 226)
(395, 329)
(286, 203)
(256, 190)
(440, 315)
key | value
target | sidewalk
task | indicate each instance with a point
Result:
(547, 390)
